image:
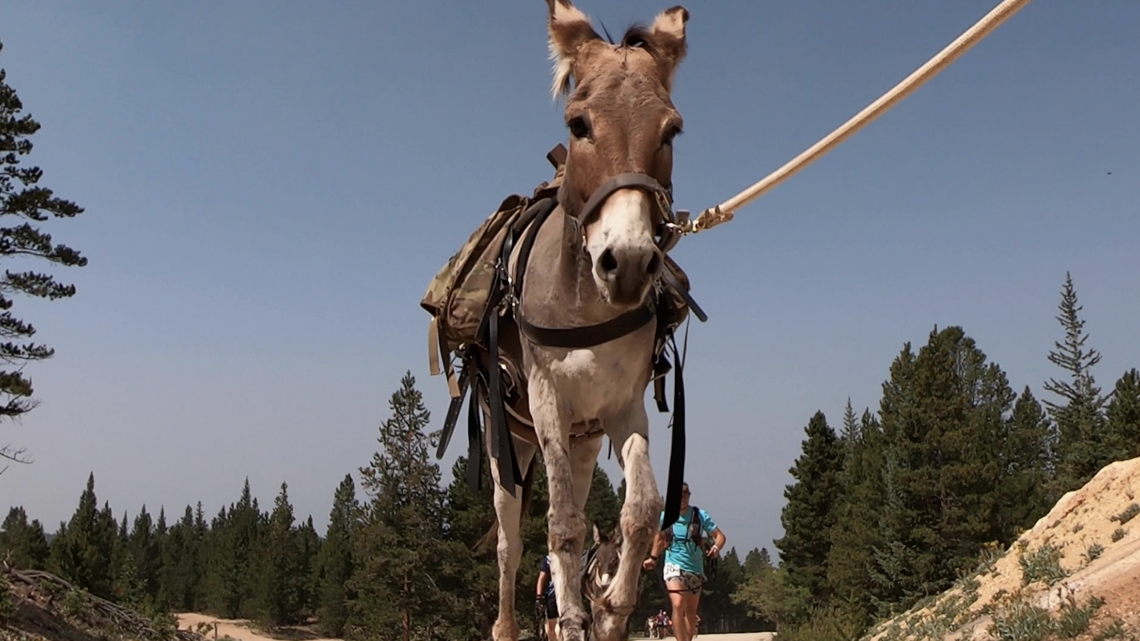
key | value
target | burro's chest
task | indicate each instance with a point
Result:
(594, 381)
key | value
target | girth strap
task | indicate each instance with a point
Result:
(581, 337)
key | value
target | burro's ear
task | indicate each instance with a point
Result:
(569, 29)
(669, 37)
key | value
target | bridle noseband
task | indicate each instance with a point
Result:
(664, 219)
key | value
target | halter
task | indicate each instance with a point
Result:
(588, 336)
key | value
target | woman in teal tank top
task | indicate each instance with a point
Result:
(692, 538)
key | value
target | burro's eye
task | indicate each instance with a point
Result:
(579, 128)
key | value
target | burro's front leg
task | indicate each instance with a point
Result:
(509, 550)
(629, 433)
(566, 523)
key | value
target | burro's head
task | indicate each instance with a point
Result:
(622, 124)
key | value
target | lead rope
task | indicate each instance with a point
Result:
(725, 211)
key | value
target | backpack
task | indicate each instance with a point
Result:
(697, 536)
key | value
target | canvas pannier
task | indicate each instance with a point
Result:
(457, 297)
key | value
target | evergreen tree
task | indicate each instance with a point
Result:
(200, 558)
(1028, 467)
(181, 565)
(401, 557)
(602, 505)
(24, 202)
(336, 561)
(23, 544)
(766, 595)
(944, 418)
(309, 549)
(232, 568)
(1081, 449)
(470, 515)
(848, 439)
(849, 562)
(82, 553)
(144, 548)
(810, 513)
(281, 577)
(1123, 417)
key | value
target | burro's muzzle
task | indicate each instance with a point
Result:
(622, 223)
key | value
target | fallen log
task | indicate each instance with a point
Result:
(127, 621)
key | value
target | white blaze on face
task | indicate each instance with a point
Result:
(621, 244)
(605, 579)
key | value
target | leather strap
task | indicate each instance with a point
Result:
(676, 476)
(502, 445)
(590, 335)
(620, 181)
(474, 446)
(453, 412)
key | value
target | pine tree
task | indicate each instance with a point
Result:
(765, 593)
(161, 543)
(401, 558)
(810, 512)
(200, 558)
(23, 544)
(1079, 415)
(1123, 417)
(602, 505)
(82, 552)
(850, 560)
(181, 563)
(25, 202)
(944, 416)
(849, 438)
(309, 550)
(281, 576)
(231, 568)
(1028, 466)
(470, 515)
(144, 548)
(336, 559)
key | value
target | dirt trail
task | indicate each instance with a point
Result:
(239, 629)
(235, 628)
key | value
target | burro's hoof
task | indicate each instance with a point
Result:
(572, 625)
(505, 630)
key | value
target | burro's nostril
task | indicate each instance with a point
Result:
(608, 262)
(654, 264)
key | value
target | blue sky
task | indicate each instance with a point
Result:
(270, 187)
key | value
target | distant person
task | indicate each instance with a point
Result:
(686, 546)
(545, 596)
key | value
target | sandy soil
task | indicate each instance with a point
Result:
(1081, 528)
(235, 628)
(239, 630)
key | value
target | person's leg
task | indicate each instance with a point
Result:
(691, 601)
(551, 618)
(677, 600)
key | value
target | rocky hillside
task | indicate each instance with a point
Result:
(37, 606)
(1074, 575)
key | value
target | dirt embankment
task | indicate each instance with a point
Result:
(1074, 575)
